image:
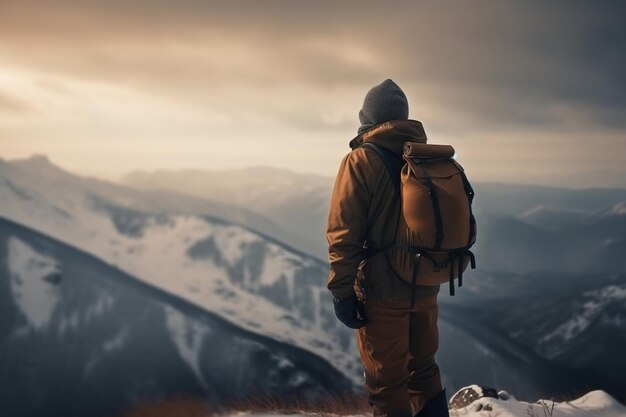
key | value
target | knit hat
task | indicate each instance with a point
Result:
(384, 102)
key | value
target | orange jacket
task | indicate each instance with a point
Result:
(364, 208)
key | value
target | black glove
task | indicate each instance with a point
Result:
(350, 311)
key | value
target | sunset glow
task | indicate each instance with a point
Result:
(104, 88)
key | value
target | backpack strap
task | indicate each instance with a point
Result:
(393, 163)
(434, 199)
(469, 191)
(416, 263)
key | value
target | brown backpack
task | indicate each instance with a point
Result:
(436, 227)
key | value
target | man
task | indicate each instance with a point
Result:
(397, 343)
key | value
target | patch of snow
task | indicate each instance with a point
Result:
(284, 363)
(531, 211)
(589, 311)
(103, 302)
(613, 293)
(619, 208)
(116, 342)
(231, 240)
(110, 345)
(187, 336)
(541, 208)
(35, 296)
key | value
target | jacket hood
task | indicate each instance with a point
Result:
(392, 135)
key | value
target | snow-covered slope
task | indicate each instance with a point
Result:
(300, 203)
(491, 355)
(81, 338)
(247, 277)
(587, 329)
(296, 201)
(50, 191)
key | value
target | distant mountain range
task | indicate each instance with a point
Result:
(296, 201)
(258, 284)
(587, 329)
(551, 226)
(47, 183)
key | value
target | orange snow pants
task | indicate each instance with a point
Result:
(397, 348)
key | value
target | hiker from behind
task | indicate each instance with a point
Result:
(399, 224)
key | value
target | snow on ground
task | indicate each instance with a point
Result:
(592, 404)
(160, 258)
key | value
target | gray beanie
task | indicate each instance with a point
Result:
(385, 101)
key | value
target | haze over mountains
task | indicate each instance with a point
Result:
(224, 258)
(296, 201)
(545, 221)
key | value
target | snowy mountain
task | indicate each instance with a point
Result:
(296, 201)
(516, 199)
(79, 337)
(593, 245)
(299, 202)
(252, 280)
(56, 193)
(247, 277)
(587, 329)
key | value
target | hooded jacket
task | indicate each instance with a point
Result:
(364, 208)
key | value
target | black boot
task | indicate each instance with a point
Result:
(436, 407)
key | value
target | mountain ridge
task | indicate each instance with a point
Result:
(130, 342)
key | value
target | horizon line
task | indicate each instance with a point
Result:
(120, 178)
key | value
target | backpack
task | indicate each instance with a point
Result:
(436, 227)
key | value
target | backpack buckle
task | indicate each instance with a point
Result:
(439, 265)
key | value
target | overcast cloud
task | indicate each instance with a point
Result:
(529, 92)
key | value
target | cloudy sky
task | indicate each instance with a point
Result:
(530, 92)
